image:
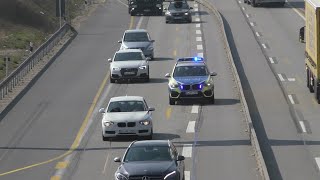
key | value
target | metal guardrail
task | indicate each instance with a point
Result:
(15, 78)
(253, 136)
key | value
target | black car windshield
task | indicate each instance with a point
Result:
(136, 37)
(126, 106)
(178, 5)
(128, 56)
(148, 153)
(181, 71)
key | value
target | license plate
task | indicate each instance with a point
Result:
(147, 10)
(177, 17)
(129, 73)
(191, 92)
(126, 131)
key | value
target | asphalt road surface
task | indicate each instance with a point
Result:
(59, 112)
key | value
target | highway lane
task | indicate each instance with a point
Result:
(45, 122)
(223, 147)
(275, 36)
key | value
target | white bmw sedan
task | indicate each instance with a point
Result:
(127, 115)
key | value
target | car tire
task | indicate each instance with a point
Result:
(132, 13)
(172, 101)
(167, 22)
(112, 80)
(212, 99)
(245, 1)
(105, 138)
(253, 3)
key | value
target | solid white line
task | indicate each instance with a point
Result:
(200, 55)
(197, 19)
(195, 5)
(257, 34)
(186, 175)
(198, 25)
(318, 161)
(291, 79)
(198, 31)
(196, 9)
(271, 60)
(303, 127)
(264, 46)
(291, 99)
(199, 38)
(195, 109)
(251, 23)
(105, 164)
(281, 77)
(139, 22)
(191, 125)
(199, 47)
(187, 150)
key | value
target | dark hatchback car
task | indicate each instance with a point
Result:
(178, 11)
(151, 160)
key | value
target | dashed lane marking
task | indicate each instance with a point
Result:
(199, 47)
(271, 60)
(291, 79)
(252, 24)
(190, 127)
(62, 165)
(174, 53)
(195, 109)
(198, 32)
(199, 38)
(281, 77)
(258, 34)
(139, 22)
(198, 25)
(264, 46)
(197, 19)
(248, 16)
(291, 99)
(243, 8)
(187, 175)
(187, 150)
(318, 161)
(303, 127)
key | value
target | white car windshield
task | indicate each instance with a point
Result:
(128, 56)
(126, 106)
(136, 37)
(181, 71)
(148, 153)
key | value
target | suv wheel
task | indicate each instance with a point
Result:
(172, 101)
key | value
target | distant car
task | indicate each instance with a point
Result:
(129, 64)
(178, 11)
(190, 79)
(255, 3)
(145, 7)
(138, 39)
(150, 160)
(127, 115)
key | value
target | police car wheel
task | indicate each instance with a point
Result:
(172, 101)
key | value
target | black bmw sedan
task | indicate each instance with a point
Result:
(150, 160)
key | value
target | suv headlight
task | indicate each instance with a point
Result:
(108, 123)
(208, 83)
(174, 85)
(143, 67)
(120, 176)
(170, 175)
(168, 13)
(116, 68)
(145, 122)
(187, 13)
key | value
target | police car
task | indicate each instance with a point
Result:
(189, 79)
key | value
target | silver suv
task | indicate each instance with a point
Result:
(129, 64)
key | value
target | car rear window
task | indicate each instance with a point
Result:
(129, 56)
(148, 153)
(181, 71)
(126, 106)
(136, 37)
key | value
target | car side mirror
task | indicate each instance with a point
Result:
(213, 74)
(109, 60)
(120, 41)
(167, 75)
(102, 110)
(148, 58)
(151, 109)
(302, 34)
(191, 7)
(152, 40)
(180, 158)
(117, 159)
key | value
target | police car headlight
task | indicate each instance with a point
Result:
(174, 85)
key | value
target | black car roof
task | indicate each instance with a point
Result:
(150, 143)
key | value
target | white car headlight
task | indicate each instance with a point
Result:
(120, 176)
(168, 13)
(186, 13)
(143, 67)
(145, 122)
(116, 68)
(108, 123)
(170, 175)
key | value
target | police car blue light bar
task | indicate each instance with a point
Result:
(195, 59)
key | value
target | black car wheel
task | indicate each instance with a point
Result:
(172, 101)
(132, 13)
(253, 3)
(149, 137)
(105, 138)
(112, 80)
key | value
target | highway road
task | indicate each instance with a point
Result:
(270, 60)
(61, 110)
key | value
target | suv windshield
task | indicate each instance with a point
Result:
(148, 153)
(128, 56)
(178, 5)
(126, 106)
(136, 37)
(181, 71)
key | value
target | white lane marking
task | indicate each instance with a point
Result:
(197, 19)
(303, 127)
(251, 23)
(271, 60)
(247, 15)
(123, 3)
(318, 161)
(199, 38)
(187, 150)
(195, 5)
(198, 25)
(257, 34)
(190, 127)
(281, 77)
(264, 46)
(198, 32)
(240, 2)
(291, 99)
(196, 9)
(199, 47)
(106, 163)
(291, 79)
(139, 22)
(243, 8)
(200, 55)
(187, 175)
(195, 109)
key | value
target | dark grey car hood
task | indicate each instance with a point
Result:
(148, 168)
(130, 45)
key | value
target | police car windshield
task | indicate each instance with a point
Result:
(181, 71)
(128, 56)
(136, 37)
(178, 5)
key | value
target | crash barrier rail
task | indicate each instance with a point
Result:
(15, 78)
(253, 136)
